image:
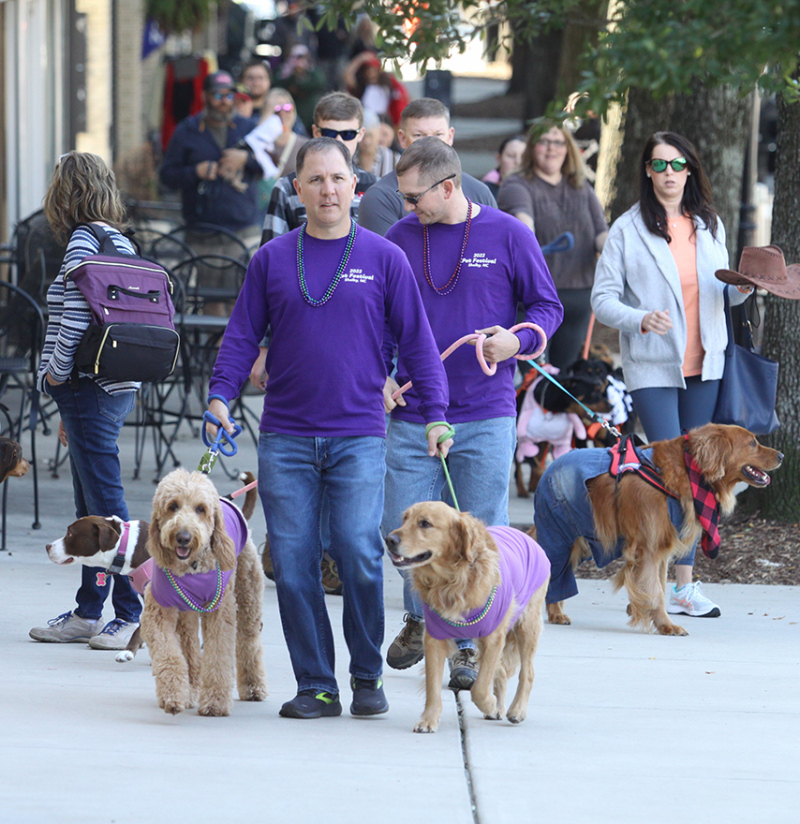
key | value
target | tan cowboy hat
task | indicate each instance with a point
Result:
(764, 267)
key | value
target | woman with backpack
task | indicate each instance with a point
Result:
(92, 409)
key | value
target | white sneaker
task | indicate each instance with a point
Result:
(689, 600)
(114, 635)
(68, 628)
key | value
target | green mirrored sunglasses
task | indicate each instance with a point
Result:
(659, 165)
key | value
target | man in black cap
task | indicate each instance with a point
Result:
(216, 176)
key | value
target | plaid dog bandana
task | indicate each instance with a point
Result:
(705, 505)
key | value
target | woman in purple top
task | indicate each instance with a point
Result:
(474, 265)
(326, 290)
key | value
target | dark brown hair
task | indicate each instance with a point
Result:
(696, 201)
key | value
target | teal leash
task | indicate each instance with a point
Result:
(441, 439)
(595, 416)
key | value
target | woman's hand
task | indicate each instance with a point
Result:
(62, 434)
(658, 322)
(52, 381)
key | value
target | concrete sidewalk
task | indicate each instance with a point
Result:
(622, 726)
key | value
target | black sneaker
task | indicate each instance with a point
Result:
(463, 669)
(409, 646)
(368, 697)
(312, 704)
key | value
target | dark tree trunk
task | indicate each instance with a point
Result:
(715, 120)
(534, 72)
(782, 321)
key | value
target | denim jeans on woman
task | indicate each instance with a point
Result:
(479, 464)
(665, 411)
(92, 420)
(293, 472)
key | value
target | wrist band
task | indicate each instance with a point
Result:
(442, 438)
(218, 398)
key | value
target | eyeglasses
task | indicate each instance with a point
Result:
(345, 134)
(678, 165)
(555, 144)
(283, 107)
(222, 96)
(414, 199)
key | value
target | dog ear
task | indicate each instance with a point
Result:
(466, 535)
(107, 536)
(154, 543)
(712, 450)
(221, 543)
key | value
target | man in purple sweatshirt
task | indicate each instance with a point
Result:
(327, 290)
(474, 265)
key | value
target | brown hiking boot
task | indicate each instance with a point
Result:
(331, 582)
(407, 649)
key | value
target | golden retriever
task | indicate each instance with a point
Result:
(189, 538)
(631, 518)
(456, 567)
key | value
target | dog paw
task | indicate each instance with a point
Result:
(253, 692)
(495, 716)
(427, 725)
(213, 709)
(516, 716)
(124, 656)
(487, 705)
(172, 707)
(555, 614)
(671, 629)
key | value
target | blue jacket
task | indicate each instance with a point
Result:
(210, 201)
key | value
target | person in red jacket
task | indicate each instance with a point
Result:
(379, 91)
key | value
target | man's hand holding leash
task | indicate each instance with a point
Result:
(500, 344)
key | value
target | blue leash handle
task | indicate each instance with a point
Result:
(565, 242)
(224, 442)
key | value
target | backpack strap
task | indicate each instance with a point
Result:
(107, 246)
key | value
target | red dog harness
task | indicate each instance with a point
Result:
(625, 458)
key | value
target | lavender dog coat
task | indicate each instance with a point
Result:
(523, 569)
(201, 587)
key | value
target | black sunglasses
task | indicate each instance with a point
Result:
(345, 134)
(659, 165)
(222, 95)
(414, 199)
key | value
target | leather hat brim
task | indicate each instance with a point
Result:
(789, 288)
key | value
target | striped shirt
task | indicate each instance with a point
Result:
(69, 315)
(285, 212)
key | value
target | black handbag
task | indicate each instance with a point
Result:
(749, 383)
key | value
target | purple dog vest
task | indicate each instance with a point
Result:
(523, 569)
(200, 587)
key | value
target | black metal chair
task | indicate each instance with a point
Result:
(21, 339)
(207, 238)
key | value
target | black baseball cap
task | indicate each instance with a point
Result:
(218, 80)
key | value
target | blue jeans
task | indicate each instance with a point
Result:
(479, 464)
(293, 474)
(92, 419)
(665, 411)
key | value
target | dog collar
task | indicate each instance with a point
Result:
(129, 535)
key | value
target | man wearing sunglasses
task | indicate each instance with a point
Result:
(474, 265)
(425, 117)
(338, 116)
(217, 181)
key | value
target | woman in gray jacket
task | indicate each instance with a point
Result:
(655, 283)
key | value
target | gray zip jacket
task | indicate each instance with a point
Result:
(636, 274)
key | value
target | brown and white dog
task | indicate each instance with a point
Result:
(12, 464)
(116, 546)
(486, 583)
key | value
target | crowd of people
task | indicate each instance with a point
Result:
(377, 251)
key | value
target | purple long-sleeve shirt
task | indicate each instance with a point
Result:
(325, 364)
(503, 266)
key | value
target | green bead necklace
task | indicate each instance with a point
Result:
(189, 601)
(301, 276)
(475, 620)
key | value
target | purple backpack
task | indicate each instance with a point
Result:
(132, 336)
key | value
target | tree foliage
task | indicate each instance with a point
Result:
(660, 47)
(178, 15)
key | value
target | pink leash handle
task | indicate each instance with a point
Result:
(244, 489)
(479, 338)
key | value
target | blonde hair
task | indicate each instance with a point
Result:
(572, 168)
(83, 190)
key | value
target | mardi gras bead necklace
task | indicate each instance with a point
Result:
(426, 256)
(301, 275)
